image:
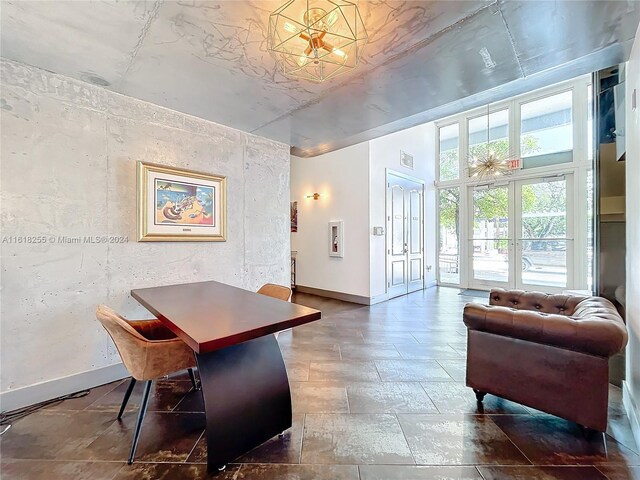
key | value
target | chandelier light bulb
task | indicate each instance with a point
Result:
(339, 53)
(290, 27)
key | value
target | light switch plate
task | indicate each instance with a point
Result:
(378, 231)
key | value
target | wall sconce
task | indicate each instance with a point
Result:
(315, 196)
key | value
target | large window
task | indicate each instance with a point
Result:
(511, 187)
(449, 247)
(546, 131)
(449, 152)
(489, 134)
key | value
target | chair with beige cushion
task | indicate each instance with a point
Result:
(149, 351)
(275, 291)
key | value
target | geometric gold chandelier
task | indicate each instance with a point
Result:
(316, 39)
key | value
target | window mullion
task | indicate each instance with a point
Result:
(463, 141)
(515, 129)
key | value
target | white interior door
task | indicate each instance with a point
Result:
(405, 236)
(415, 238)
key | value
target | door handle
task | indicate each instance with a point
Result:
(406, 248)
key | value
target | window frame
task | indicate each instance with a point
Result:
(520, 102)
(438, 128)
(579, 167)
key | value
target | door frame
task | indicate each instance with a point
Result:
(569, 179)
(394, 173)
(515, 252)
(581, 166)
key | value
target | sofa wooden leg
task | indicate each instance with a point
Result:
(479, 395)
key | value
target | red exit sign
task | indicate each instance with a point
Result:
(513, 164)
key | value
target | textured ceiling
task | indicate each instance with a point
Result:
(424, 59)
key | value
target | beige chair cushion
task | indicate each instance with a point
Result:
(148, 349)
(275, 291)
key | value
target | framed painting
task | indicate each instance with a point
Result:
(176, 205)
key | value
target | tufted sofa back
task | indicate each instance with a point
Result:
(536, 301)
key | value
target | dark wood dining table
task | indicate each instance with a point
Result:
(244, 380)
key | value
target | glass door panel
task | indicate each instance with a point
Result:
(490, 239)
(448, 250)
(532, 215)
(543, 233)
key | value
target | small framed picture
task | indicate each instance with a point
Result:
(336, 239)
(176, 205)
(294, 217)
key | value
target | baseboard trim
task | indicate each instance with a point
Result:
(39, 392)
(347, 297)
(378, 299)
(631, 408)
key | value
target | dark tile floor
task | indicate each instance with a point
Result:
(378, 394)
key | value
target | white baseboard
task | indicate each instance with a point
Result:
(22, 397)
(346, 297)
(631, 408)
(378, 299)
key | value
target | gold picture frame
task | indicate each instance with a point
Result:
(178, 205)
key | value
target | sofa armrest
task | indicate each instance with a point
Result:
(596, 336)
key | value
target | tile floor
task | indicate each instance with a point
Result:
(378, 394)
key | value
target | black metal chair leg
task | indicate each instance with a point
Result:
(141, 414)
(193, 379)
(126, 397)
(479, 395)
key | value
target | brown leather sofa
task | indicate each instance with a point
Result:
(549, 352)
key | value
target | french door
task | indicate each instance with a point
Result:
(521, 234)
(405, 239)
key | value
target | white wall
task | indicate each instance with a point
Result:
(68, 160)
(342, 179)
(632, 386)
(353, 183)
(385, 153)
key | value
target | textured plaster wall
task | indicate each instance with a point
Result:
(68, 168)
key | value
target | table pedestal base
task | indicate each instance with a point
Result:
(246, 398)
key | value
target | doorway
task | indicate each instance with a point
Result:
(521, 235)
(405, 234)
